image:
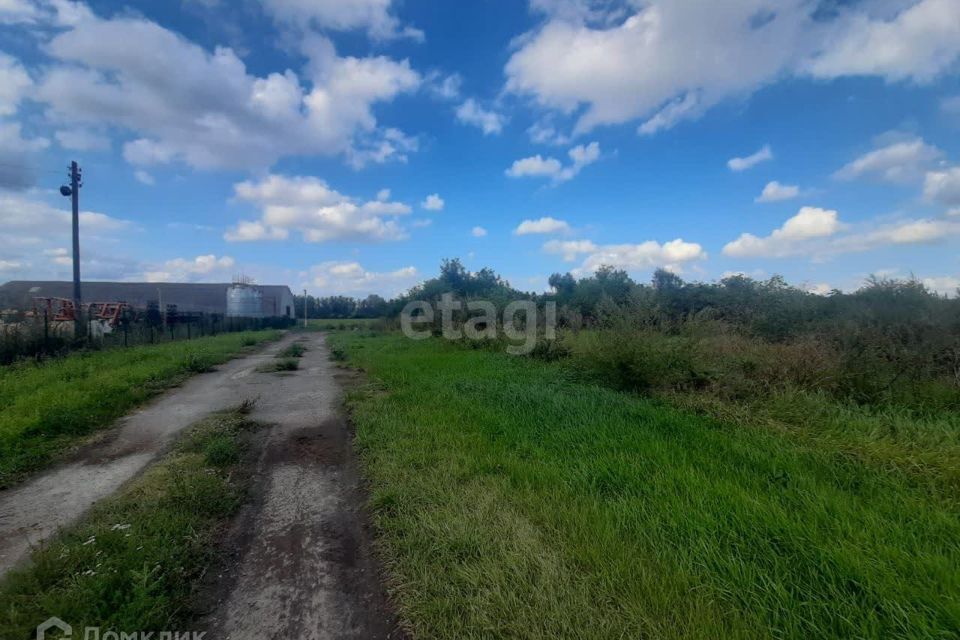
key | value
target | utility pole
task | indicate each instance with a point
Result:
(304, 308)
(74, 192)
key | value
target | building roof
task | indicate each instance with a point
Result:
(188, 296)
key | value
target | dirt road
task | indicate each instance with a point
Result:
(304, 567)
(301, 563)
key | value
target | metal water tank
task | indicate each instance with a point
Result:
(244, 301)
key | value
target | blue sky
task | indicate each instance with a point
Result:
(347, 147)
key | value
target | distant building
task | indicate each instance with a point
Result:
(241, 300)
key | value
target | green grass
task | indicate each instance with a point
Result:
(512, 500)
(279, 365)
(293, 350)
(135, 561)
(48, 407)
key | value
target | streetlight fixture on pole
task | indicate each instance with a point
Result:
(73, 192)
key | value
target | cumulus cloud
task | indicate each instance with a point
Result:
(776, 192)
(351, 278)
(606, 63)
(943, 186)
(944, 285)
(569, 249)
(542, 225)
(901, 162)
(808, 224)
(372, 16)
(901, 232)
(207, 110)
(144, 178)
(14, 84)
(206, 268)
(490, 122)
(918, 44)
(820, 233)
(478, 232)
(82, 140)
(538, 166)
(671, 255)
(742, 164)
(309, 206)
(35, 232)
(433, 202)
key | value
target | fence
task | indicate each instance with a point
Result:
(41, 336)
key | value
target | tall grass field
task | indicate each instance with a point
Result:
(47, 407)
(515, 499)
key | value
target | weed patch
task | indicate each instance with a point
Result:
(279, 365)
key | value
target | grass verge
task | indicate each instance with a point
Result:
(513, 500)
(45, 408)
(135, 560)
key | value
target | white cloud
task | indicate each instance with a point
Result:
(14, 84)
(944, 285)
(478, 232)
(351, 278)
(538, 166)
(820, 288)
(35, 232)
(918, 44)
(685, 107)
(534, 166)
(543, 132)
(490, 122)
(205, 109)
(902, 232)
(671, 255)
(383, 195)
(143, 177)
(444, 87)
(742, 164)
(569, 249)
(82, 140)
(817, 232)
(432, 202)
(542, 225)
(809, 223)
(776, 192)
(206, 268)
(607, 63)
(901, 162)
(943, 186)
(10, 265)
(625, 67)
(308, 205)
(250, 231)
(18, 12)
(372, 16)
